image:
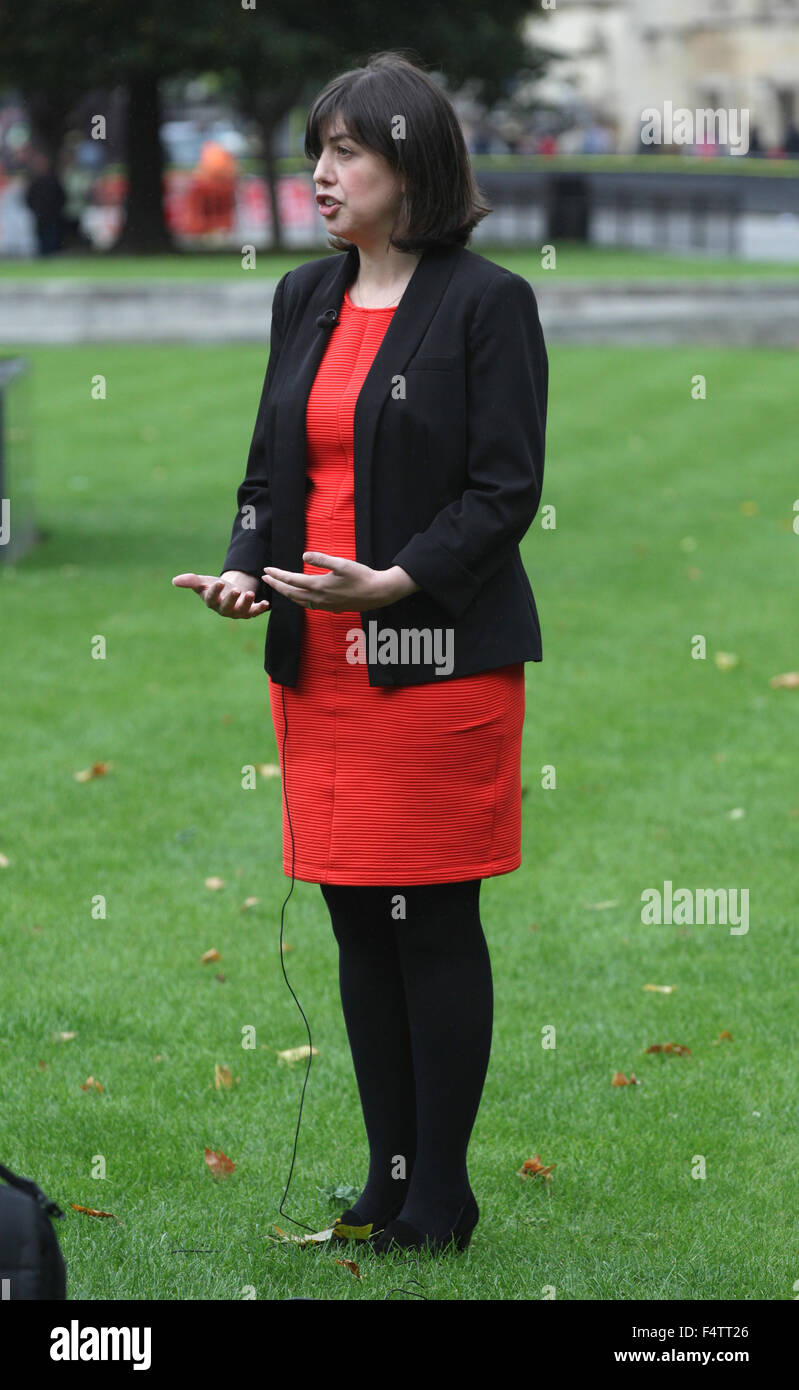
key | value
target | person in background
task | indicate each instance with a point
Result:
(45, 197)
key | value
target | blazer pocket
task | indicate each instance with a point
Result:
(433, 364)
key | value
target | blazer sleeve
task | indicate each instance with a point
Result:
(507, 384)
(250, 545)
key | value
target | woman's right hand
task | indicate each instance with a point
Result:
(232, 595)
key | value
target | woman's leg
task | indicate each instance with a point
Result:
(446, 969)
(373, 1001)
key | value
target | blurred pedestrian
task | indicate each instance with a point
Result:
(45, 197)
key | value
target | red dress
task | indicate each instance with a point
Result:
(385, 785)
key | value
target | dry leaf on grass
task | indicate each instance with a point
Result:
(223, 1076)
(90, 1211)
(353, 1232)
(318, 1238)
(96, 770)
(220, 1165)
(296, 1054)
(619, 1079)
(534, 1168)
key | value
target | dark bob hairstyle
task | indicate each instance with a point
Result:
(442, 203)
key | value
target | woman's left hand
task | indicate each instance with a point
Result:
(349, 587)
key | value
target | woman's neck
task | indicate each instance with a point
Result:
(382, 276)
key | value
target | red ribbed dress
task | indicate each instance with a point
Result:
(385, 785)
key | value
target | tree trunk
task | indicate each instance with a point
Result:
(145, 231)
(270, 175)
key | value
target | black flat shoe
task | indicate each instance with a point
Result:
(401, 1235)
(351, 1217)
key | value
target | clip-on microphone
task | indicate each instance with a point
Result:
(328, 319)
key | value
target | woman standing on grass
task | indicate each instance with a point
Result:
(395, 465)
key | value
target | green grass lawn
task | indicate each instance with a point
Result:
(653, 753)
(575, 262)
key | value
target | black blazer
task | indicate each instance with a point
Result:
(448, 460)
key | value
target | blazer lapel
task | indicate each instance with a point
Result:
(402, 337)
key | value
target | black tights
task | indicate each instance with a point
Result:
(417, 995)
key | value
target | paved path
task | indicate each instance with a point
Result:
(646, 312)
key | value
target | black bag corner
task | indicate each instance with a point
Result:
(30, 1256)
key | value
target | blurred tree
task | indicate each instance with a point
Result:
(271, 56)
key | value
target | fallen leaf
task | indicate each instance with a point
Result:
(353, 1232)
(268, 769)
(4, 861)
(296, 1054)
(213, 954)
(737, 813)
(619, 1079)
(63, 1037)
(534, 1168)
(249, 902)
(675, 1048)
(90, 1211)
(96, 770)
(726, 660)
(789, 680)
(351, 1266)
(318, 1238)
(223, 1076)
(90, 1083)
(600, 907)
(214, 883)
(219, 1163)
(661, 989)
(724, 1036)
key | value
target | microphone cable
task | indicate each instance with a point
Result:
(285, 976)
(327, 320)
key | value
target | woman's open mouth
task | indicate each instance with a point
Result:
(327, 206)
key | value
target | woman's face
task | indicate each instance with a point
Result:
(366, 190)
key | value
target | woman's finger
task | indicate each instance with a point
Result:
(198, 582)
(293, 591)
(244, 604)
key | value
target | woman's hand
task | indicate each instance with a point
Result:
(232, 596)
(349, 587)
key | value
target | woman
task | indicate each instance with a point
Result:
(396, 463)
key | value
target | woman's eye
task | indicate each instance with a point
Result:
(344, 149)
